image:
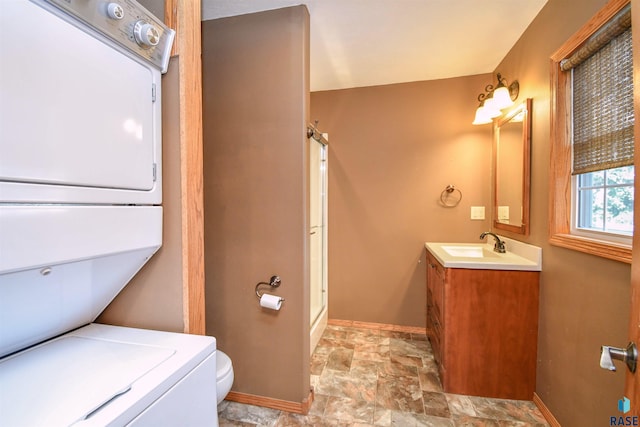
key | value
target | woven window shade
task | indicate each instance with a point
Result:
(616, 26)
(603, 107)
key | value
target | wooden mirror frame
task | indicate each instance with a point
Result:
(525, 107)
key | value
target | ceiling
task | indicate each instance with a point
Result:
(358, 43)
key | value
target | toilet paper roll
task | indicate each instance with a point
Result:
(272, 302)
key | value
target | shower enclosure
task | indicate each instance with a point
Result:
(317, 233)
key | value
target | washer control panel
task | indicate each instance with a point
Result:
(127, 23)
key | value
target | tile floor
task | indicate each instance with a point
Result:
(371, 377)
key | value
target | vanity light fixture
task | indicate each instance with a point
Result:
(494, 99)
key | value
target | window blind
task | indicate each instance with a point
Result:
(603, 105)
(616, 26)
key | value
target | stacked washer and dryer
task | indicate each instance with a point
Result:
(80, 214)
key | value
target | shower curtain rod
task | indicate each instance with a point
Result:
(313, 132)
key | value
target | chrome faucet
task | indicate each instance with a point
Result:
(499, 246)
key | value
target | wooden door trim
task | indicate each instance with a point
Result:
(184, 16)
(632, 388)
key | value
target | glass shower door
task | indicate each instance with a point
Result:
(317, 228)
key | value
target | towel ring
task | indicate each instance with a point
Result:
(274, 282)
(448, 196)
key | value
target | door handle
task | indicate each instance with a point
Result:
(628, 355)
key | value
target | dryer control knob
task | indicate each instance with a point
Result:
(115, 11)
(146, 35)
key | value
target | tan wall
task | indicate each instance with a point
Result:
(153, 298)
(584, 299)
(392, 151)
(255, 98)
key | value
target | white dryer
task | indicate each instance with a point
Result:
(80, 214)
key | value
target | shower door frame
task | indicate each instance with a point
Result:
(318, 319)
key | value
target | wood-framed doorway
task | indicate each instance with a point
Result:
(184, 16)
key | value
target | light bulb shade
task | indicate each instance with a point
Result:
(490, 108)
(502, 98)
(481, 117)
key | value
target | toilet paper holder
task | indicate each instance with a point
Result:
(274, 282)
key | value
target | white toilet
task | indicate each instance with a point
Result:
(224, 375)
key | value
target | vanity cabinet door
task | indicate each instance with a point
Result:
(490, 340)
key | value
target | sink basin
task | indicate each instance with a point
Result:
(470, 251)
(519, 255)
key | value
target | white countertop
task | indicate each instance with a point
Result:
(481, 256)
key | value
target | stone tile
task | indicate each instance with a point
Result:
(429, 380)
(428, 361)
(319, 404)
(371, 347)
(468, 421)
(350, 410)
(460, 406)
(507, 410)
(335, 332)
(340, 359)
(396, 334)
(317, 363)
(365, 374)
(402, 419)
(364, 365)
(322, 351)
(435, 404)
(336, 342)
(344, 384)
(394, 369)
(223, 405)
(364, 336)
(382, 416)
(531, 411)
(372, 378)
(375, 351)
(431, 421)
(406, 360)
(504, 423)
(295, 420)
(249, 414)
(314, 381)
(400, 394)
(487, 408)
(231, 423)
(386, 418)
(408, 347)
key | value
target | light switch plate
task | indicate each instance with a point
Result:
(477, 212)
(503, 213)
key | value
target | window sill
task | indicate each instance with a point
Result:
(615, 251)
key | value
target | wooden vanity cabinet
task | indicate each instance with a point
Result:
(483, 327)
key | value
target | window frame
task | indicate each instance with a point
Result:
(560, 178)
(593, 233)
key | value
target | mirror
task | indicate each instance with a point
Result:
(511, 162)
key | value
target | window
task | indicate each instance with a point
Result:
(592, 170)
(604, 203)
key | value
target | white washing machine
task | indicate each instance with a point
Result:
(80, 214)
